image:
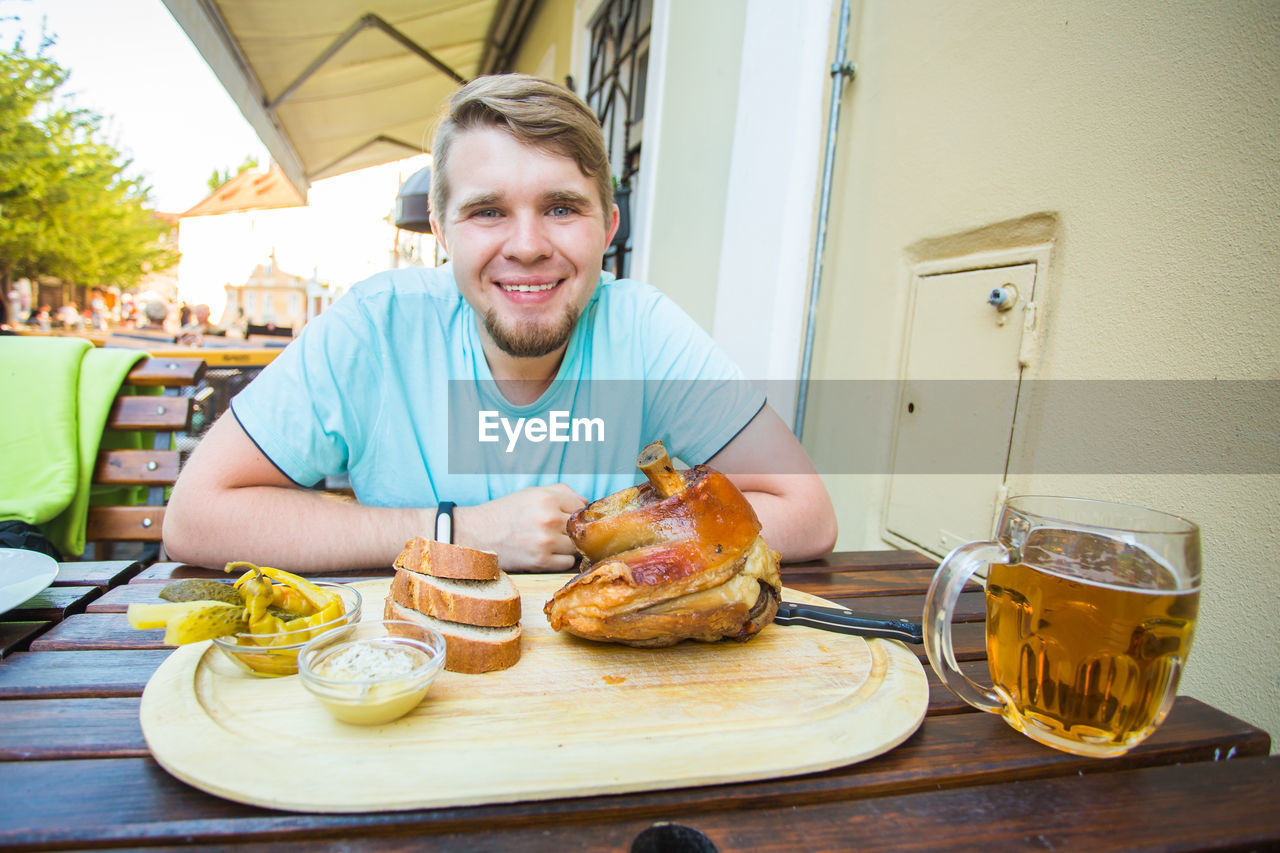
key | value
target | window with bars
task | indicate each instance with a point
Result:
(616, 77)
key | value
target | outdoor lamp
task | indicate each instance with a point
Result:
(413, 209)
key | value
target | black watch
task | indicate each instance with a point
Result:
(444, 522)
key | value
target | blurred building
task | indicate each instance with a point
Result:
(255, 251)
(273, 297)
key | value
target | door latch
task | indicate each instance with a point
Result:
(1003, 297)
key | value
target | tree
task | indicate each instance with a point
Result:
(67, 207)
(220, 177)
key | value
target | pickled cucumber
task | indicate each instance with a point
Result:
(199, 589)
(145, 616)
(216, 619)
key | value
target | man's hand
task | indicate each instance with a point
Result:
(526, 529)
(232, 503)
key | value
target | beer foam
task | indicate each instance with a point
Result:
(1087, 556)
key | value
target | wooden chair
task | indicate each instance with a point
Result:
(157, 468)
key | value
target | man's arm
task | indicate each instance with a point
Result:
(232, 503)
(766, 461)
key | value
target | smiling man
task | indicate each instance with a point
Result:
(525, 229)
(523, 318)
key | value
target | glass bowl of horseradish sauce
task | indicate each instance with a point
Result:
(372, 672)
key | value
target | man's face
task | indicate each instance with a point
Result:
(525, 232)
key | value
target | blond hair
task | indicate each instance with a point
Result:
(536, 112)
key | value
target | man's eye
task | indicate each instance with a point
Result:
(561, 210)
(486, 213)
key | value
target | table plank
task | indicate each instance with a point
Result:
(970, 606)
(103, 573)
(85, 631)
(71, 728)
(867, 583)
(78, 674)
(54, 604)
(857, 561)
(968, 641)
(942, 700)
(1227, 805)
(15, 636)
(118, 600)
(1211, 806)
(133, 800)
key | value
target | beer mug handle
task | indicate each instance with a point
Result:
(948, 582)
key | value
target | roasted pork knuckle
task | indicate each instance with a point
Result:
(679, 557)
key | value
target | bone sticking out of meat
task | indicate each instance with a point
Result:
(678, 557)
(656, 465)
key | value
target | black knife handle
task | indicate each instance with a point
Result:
(844, 621)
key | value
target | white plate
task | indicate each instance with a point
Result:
(22, 575)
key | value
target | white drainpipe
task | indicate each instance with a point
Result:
(841, 71)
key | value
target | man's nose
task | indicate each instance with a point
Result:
(527, 239)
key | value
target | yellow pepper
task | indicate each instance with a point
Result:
(316, 605)
(318, 597)
(288, 598)
(256, 591)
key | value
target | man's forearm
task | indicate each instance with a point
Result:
(796, 531)
(768, 464)
(289, 528)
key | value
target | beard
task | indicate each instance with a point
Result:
(530, 339)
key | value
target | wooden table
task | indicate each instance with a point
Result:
(76, 771)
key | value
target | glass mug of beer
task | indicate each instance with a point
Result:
(1091, 607)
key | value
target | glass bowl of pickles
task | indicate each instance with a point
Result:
(275, 653)
(260, 622)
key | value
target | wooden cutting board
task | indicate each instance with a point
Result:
(572, 718)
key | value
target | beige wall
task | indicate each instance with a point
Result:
(550, 40)
(696, 88)
(1149, 133)
(696, 54)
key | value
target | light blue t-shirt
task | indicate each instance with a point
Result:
(390, 386)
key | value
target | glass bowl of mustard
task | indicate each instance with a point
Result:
(372, 672)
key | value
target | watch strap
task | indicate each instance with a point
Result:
(444, 522)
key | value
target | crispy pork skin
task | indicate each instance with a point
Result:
(679, 557)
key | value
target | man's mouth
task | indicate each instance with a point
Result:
(527, 288)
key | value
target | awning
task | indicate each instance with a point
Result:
(331, 86)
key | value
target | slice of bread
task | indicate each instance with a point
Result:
(442, 560)
(495, 603)
(468, 648)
